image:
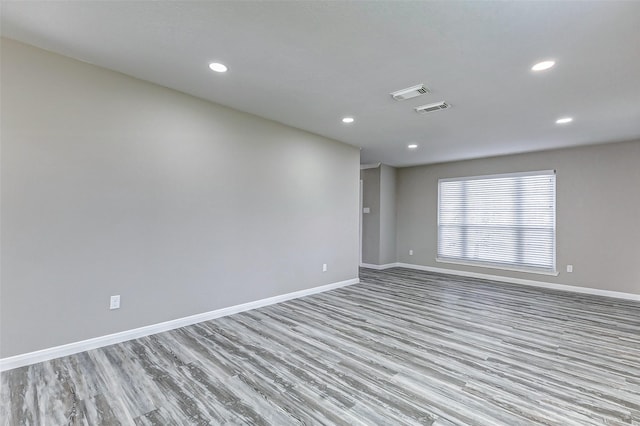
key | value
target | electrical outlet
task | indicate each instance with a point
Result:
(410, 252)
(324, 267)
(115, 302)
(569, 268)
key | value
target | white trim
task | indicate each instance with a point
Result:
(378, 267)
(500, 175)
(369, 166)
(553, 286)
(542, 284)
(495, 266)
(110, 339)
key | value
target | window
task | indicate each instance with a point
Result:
(505, 221)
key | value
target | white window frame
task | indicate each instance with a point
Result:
(485, 264)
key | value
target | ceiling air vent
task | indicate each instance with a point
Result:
(409, 93)
(432, 107)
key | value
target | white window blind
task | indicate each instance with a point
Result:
(505, 221)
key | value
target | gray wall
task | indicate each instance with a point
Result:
(379, 226)
(387, 215)
(111, 185)
(598, 212)
(371, 221)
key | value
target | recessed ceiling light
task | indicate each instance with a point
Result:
(218, 67)
(564, 120)
(348, 120)
(544, 65)
(412, 146)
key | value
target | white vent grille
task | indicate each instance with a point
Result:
(409, 93)
(432, 107)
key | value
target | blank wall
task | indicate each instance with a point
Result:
(597, 220)
(111, 185)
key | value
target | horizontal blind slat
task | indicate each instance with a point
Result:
(507, 220)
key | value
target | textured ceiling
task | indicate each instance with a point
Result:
(307, 64)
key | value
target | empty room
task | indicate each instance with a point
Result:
(320, 213)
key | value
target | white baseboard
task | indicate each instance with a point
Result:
(533, 283)
(21, 360)
(378, 267)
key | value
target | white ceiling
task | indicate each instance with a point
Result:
(308, 64)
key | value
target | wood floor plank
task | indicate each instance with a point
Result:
(402, 347)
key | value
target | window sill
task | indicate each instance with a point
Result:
(494, 266)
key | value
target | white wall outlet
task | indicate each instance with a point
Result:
(115, 302)
(324, 267)
(410, 252)
(366, 210)
(569, 268)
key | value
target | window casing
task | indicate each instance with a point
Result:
(503, 221)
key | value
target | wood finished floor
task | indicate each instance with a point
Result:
(403, 347)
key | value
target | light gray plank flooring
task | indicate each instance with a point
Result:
(403, 347)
